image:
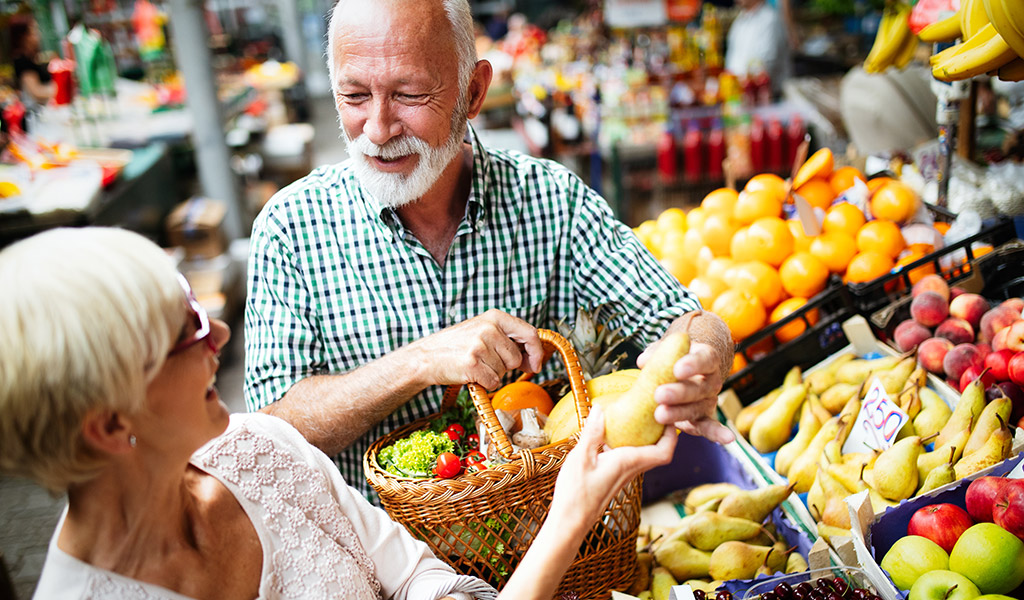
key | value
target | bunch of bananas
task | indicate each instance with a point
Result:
(895, 44)
(993, 41)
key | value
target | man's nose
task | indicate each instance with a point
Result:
(381, 125)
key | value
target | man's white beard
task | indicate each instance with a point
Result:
(396, 189)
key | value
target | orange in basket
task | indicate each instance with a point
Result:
(522, 394)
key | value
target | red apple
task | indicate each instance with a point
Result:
(941, 523)
(1008, 510)
(1015, 337)
(998, 364)
(981, 496)
(1015, 368)
(974, 372)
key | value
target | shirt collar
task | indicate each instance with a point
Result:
(476, 206)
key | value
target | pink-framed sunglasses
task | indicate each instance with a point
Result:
(200, 318)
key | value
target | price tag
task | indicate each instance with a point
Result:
(878, 422)
(1017, 472)
(681, 592)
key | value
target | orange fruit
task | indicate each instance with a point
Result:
(878, 182)
(751, 206)
(759, 278)
(693, 241)
(769, 182)
(704, 258)
(742, 311)
(707, 288)
(720, 201)
(920, 248)
(717, 233)
(842, 179)
(894, 201)
(818, 164)
(739, 246)
(803, 274)
(680, 268)
(695, 219)
(817, 192)
(791, 330)
(882, 236)
(738, 363)
(672, 243)
(835, 249)
(844, 217)
(672, 219)
(941, 226)
(770, 240)
(717, 267)
(801, 241)
(866, 266)
(522, 394)
(918, 273)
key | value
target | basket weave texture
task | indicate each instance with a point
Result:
(482, 523)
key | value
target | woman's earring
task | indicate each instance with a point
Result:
(132, 441)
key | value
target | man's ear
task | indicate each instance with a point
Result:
(478, 84)
(106, 431)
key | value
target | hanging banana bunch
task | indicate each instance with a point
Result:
(993, 41)
(894, 45)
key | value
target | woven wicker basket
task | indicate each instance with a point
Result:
(482, 523)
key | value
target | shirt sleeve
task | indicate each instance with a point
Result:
(611, 266)
(282, 343)
(405, 566)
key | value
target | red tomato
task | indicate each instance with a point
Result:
(447, 465)
(455, 432)
(473, 441)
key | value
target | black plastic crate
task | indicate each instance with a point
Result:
(873, 295)
(767, 361)
(1002, 277)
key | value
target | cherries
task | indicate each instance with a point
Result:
(825, 588)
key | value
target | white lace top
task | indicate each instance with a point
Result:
(320, 539)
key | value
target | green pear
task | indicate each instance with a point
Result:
(968, 410)
(683, 560)
(629, 419)
(740, 560)
(748, 414)
(941, 454)
(795, 563)
(772, 428)
(705, 531)
(805, 466)
(992, 417)
(662, 583)
(895, 471)
(754, 505)
(809, 425)
(836, 397)
(940, 475)
(708, 491)
(996, 449)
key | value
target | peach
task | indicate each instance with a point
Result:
(984, 348)
(1015, 336)
(994, 320)
(956, 291)
(931, 283)
(969, 307)
(955, 330)
(909, 334)
(931, 353)
(959, 359)
(929, 308)
(999, 339)
(1016, 304)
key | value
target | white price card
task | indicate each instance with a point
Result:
(681, 592)
(1017, 472)
(878, 422)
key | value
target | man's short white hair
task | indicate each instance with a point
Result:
(87, 317)
(459, 17)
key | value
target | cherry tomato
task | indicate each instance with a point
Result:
(475, 456)
(473, 441)
(476, 466)
(447, 465)
(455, 432)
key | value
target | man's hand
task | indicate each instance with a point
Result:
(479, 350)
(690, 402)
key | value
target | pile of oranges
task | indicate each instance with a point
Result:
(753, 267)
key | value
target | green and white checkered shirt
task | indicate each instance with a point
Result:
(336, 281)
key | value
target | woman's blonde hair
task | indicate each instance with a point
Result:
(87, 317)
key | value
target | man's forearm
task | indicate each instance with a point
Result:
(332, 411)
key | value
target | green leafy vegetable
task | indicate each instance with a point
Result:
(462, 412)
(414, 456)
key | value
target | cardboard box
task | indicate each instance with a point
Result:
(195, 226)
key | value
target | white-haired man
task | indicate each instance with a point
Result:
(428, 260)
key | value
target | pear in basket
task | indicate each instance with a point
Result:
(629, 420)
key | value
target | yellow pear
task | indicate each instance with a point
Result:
(755, 504)
(934, 415)
(772, 428)
(683, 560)
(967, 411)
(707, 530)
(941, 454)
(819, 381)
(562, 422)
(629, 419)
(642, 578)
(909, 400)
(835, 512)
(795, 563)
(858, 370)
(804, 467)
(818, 408)
(708, 491)
(940, 475)
(662, 583)
(740, 560)
(895, 378)
(745, 418)
(836, 397)
(992, 418)
(996, 449)
(808, 427)
(895, 470)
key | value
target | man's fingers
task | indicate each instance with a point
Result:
(700, 361)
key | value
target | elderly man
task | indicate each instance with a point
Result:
(428, 260)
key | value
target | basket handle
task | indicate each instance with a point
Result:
(483, 402)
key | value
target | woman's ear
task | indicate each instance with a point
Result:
(106, 431)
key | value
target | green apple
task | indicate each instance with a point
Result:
(994, 597)
(991, 557)
(912, 556)
(943, 585)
